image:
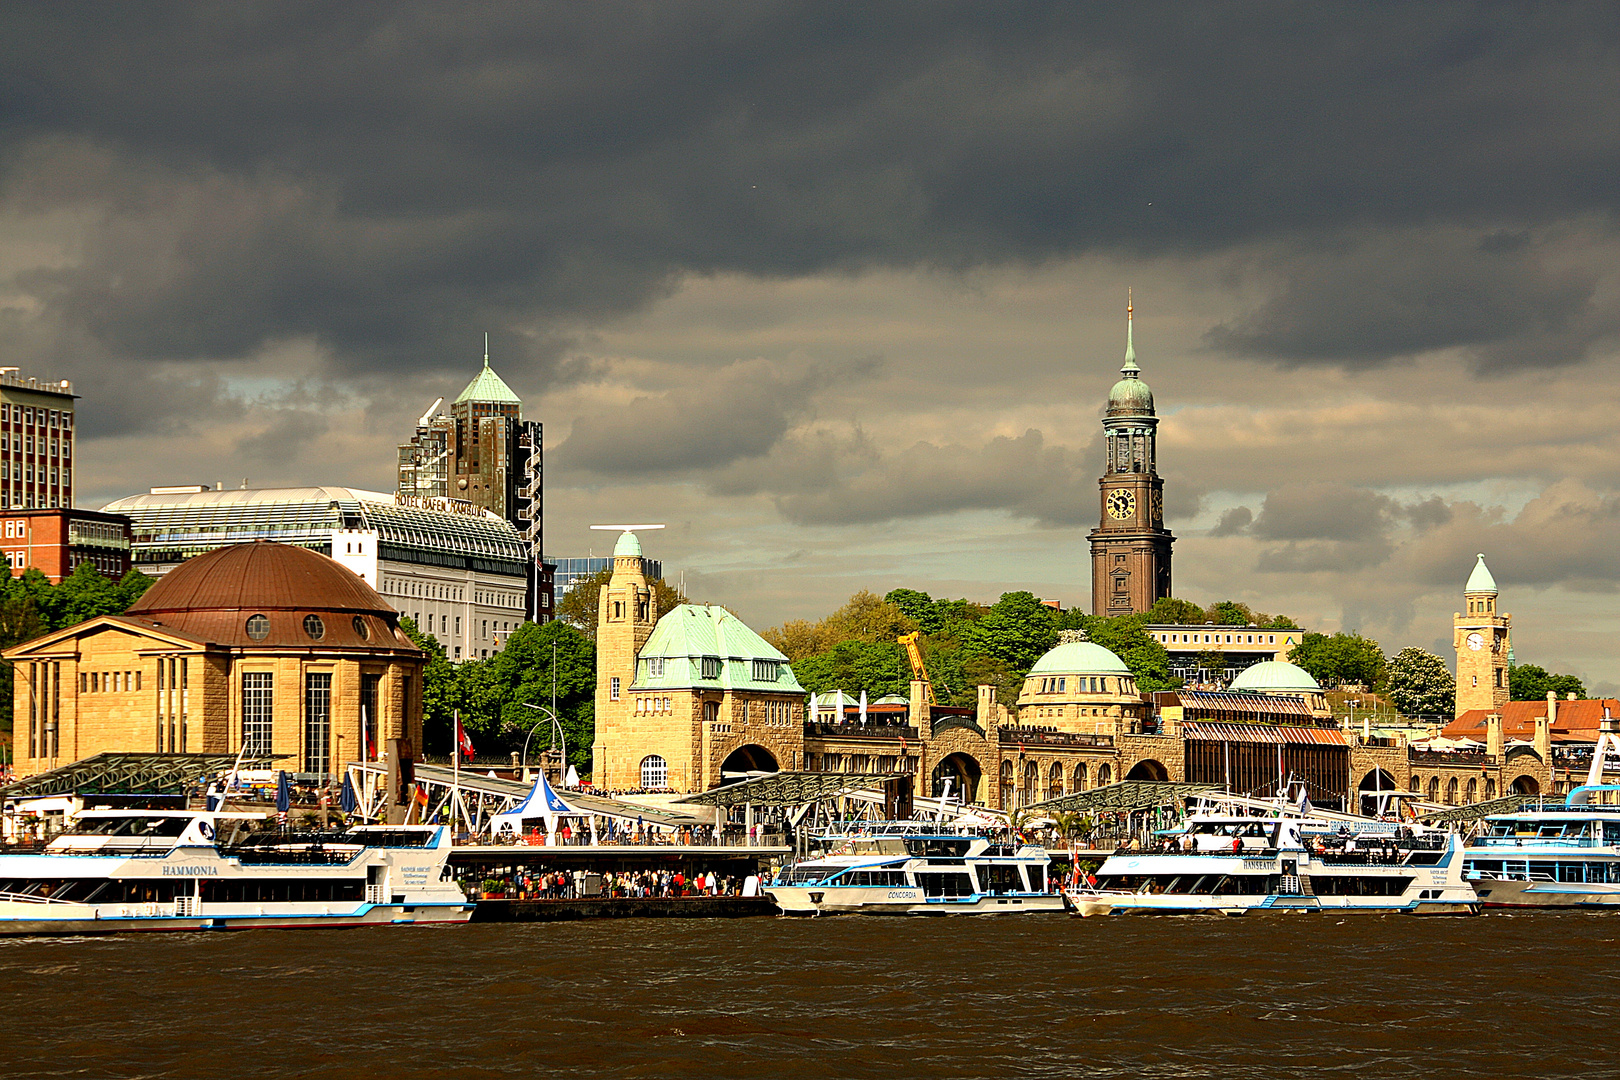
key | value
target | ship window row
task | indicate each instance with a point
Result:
(282, 891)
(99, 890)
(873, 878)
(1536, 870)
(1216, 639)
(1196, 884)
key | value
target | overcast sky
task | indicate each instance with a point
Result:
(838, 291)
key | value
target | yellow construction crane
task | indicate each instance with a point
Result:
(918, 670)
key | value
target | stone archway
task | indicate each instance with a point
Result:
(1148, 769)
(1525, 785)
(746, 762)
(963, 771)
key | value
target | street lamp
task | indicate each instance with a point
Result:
(557, 731)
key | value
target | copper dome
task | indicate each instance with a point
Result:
(214, 596)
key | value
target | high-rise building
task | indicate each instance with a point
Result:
(36, 441)
(483, 453)
(1130, 547)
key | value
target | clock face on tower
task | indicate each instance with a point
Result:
(1475, 642)
(1121, 505)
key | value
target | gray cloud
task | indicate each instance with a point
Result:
(1364, 301)
(390, 182)
(1235, 522)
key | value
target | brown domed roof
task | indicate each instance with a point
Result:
(291, 597)
(261, 576)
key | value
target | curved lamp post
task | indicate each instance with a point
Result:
(557, 731)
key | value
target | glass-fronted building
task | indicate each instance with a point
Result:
(571, 572)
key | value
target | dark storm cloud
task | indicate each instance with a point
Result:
(390, 180)
(1364, 302)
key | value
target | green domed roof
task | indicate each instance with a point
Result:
(629, 545)
(1480, 580)
(1079, 657)
(1274, 676)
(1130, 395)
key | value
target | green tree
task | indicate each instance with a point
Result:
(523, 671)
(1420, 684)
(1016, 631)
(1530, 682)
(1340, 659)
(578, 606)
(441, 690)
(1169, 611)
(918, 607)
(1126, 638)
(1229, 613)
(878, 667)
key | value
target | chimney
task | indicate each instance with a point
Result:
(919, 711)
(1552, 707)
(1493, 735)
(1544, 740)
(987, 706)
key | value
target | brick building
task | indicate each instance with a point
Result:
(57, 540)
(267, 645)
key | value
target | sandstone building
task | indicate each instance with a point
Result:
(265, 645)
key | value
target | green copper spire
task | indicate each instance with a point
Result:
(488, 386)
(1130, 370)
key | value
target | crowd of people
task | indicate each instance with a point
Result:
(574, 884)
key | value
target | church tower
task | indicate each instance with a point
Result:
(1483, 638)
(1130, 547)
(625, 616)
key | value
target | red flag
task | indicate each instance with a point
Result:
(463, 743)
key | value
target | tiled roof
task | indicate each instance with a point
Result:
(1575, 720)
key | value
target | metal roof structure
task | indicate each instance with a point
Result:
(187, 523)
(126, 774)
(1507, 804)
(510, 793)
(1242, 703)
(1263, 733)
(700, 646)
(1123, 797)
(790, 789)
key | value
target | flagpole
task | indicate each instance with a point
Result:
(455, 783)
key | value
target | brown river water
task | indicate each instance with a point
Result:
(1281, 996)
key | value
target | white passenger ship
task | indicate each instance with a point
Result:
(1275, 860)
(907, 868)
(140, 870)
(1560, 855)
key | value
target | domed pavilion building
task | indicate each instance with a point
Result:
(1079, 686)
(263, 645)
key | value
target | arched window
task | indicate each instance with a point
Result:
(1032, 782)
(1105, 775)
(1490, 788)
(1416, 785)
(1434, 789)
(1006, 785)
(1080, 777)
(1473, 790)
(1055, 785)
(1451, 792)
(654, 772)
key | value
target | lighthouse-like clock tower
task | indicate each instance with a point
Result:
(1130, 547)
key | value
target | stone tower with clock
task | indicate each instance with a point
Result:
(1483, 638)
(1130, 547)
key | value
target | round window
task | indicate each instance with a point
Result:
(360, 628)
(258, 627)
(314, 627)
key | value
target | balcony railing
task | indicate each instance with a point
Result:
(860, 731)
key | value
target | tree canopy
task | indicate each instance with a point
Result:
(1341, 659)
(578, 606)
(1530, 682)
(1420, 684)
